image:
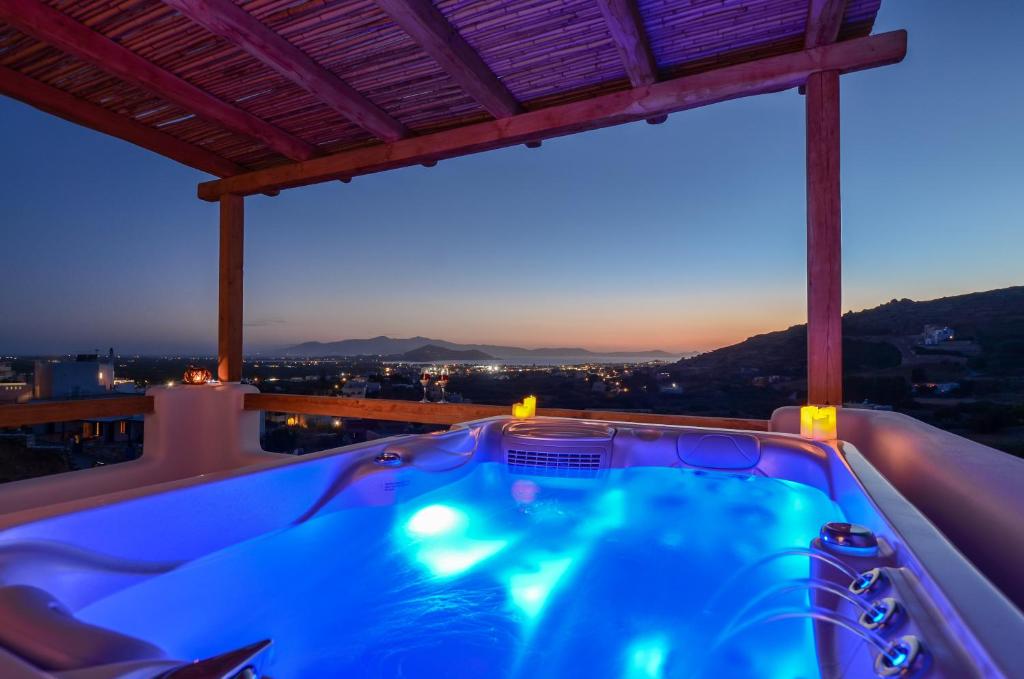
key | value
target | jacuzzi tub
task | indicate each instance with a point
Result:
(503, 548)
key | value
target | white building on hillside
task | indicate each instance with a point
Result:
(87, 375)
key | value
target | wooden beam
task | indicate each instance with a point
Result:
(226, 19)
(427, 26)
(58, 29)
(453, 413)
(756, 77)
(229, 312)
(627, 31)
(824, 276)
(82, 112)
(824, 18)
(24, 414)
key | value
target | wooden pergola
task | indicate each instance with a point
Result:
(273, 94)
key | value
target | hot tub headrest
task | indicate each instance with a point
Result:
(74, 575)
(37, 627)
(719, 450)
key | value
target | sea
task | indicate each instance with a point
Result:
(549, 361)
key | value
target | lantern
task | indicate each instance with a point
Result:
(196, 375)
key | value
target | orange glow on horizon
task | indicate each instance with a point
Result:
(635, 327)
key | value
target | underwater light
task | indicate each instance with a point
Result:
(524, 491)
(646, 659)
(435, 520)
(449, 561)
(439, 541)
(529, 591)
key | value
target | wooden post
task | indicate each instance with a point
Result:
(824, 276)
(229, 336)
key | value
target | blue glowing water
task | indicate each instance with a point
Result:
(505, 575)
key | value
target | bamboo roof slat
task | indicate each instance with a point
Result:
(543, 52)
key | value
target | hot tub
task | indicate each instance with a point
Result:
(507, 548)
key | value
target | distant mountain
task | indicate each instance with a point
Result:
(994, 319)
(432, 352)
(374, 346)
(393, 346)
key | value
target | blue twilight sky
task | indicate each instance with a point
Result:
(687, 235)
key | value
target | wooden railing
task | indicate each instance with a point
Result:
(370, 409)
(452, 413)
(20, 414)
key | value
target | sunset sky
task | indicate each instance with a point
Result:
(683, 236)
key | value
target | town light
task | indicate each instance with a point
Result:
(818, 423)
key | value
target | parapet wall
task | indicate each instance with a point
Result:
(192, 430)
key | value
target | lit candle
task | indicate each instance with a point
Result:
(530, 403)
(526, 408)
(818, 423)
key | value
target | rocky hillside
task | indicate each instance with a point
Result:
(993, 319)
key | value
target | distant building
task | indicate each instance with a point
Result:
(936, 334)
(127, 387)
(15, 392)
(354, 388)
(6, 372)
(670, 389)
(113, 429)
(87, 375)
(935, 388)
(868, 405)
